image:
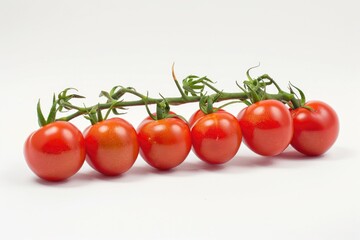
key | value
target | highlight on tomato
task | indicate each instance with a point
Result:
(111, 146)
(199, 114)
(316, 128)
(56, 151)
(216, 137)
(267, 127)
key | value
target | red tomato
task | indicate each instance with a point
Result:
(216, 137)
(199, 114)
(267, 127)
(56, 151)
(316, 130)
(111, 146)
(165, 143)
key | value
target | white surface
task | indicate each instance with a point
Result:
(46, 46)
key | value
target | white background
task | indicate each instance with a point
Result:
(46, 46)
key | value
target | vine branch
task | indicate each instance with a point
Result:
(191, 90)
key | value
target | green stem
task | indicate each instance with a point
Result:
(255, 87)
(173, 101)
(143, 99)
(265, 76)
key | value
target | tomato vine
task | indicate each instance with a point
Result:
(192, 89)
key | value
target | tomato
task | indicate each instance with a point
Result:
(111, 146)
(267, 127)
(165, 143)
(315, 130)
(216, 137)
(56, 151)
(199, 114)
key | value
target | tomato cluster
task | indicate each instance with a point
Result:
(58, 150)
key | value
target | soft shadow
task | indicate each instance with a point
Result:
(136, 173)
(79, 179)
(333, 154)
(141, 170)
(195, 166)
(50, 183)
(256, 161)
(186, 167)
(293, 155)
(200, 166)
(147, 169)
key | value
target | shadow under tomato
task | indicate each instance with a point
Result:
(51, 183)
(236, 162)
(237, 165)
(251, 161)
(137, 173)
(79, 179)
(134, 174)
(185, 167)
(335, 153)
(200, 166)
(293, 155)
(193, 166)
(145, 170)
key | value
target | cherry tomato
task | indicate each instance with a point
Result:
(315, 130)
(56, 151)
(111, 146)
(197, 115)
(267, 127)
(165, 143)
(216, 137)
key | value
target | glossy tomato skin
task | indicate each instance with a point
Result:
(267, 127)
(56, 151)
(216, 137)
(111, 146)
(315, 130)
(199, 114)
(165, 143)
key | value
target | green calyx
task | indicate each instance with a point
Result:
(162, 109)
(296, 101)
(206, 103)
(52, 114)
